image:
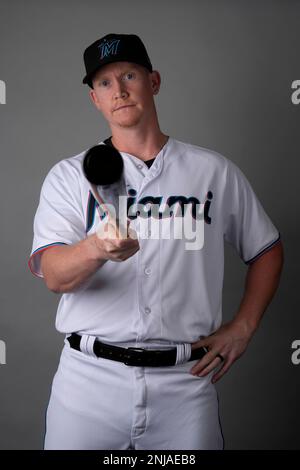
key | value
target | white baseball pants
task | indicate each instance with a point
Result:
(98, 403)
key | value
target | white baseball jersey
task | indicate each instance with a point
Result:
(165, 292)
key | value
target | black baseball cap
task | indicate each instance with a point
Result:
(114, 48)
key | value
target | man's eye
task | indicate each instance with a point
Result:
(129, 75)
(104, 83)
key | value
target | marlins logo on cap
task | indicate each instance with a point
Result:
(108, 48)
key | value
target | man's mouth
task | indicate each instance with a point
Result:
(124, 106)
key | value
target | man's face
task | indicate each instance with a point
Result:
(123, 92)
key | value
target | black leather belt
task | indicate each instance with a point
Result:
(135, 356)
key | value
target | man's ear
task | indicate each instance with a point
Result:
(155, 81)
(94, 97)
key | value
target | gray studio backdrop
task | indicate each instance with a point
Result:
(227, 71)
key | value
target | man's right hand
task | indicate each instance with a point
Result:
(114, 244)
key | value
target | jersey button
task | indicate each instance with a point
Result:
(147, 310)
(148, 271)
(140, 166)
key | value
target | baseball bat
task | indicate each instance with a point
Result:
(103, 167)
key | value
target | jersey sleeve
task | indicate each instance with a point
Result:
(247, 226)
(59, 218)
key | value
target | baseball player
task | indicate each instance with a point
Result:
(142, 314)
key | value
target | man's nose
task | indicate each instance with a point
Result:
(120, 90)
